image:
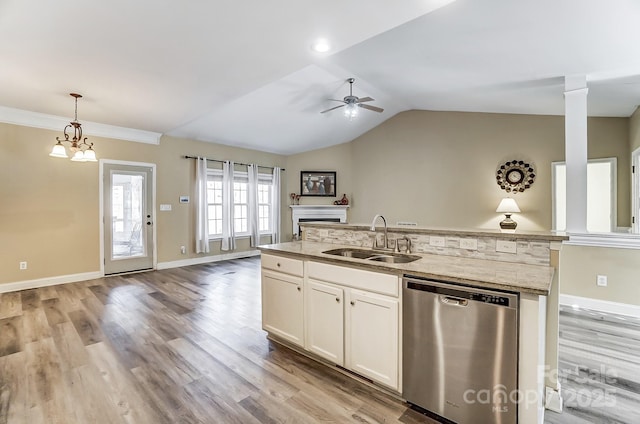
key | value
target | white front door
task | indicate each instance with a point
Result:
(128, 218)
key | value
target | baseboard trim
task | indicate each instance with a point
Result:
(49, 281)
(207, 259)
(600, 305)
(74, 278)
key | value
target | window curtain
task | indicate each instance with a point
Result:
(228, 235)
(252, 201)
(202, 219)
(275, 202)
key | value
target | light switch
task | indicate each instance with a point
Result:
(602, 280)
(165, 208)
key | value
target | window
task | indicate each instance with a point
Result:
(214, 201)
(264, 206)
(240, 206)
(240, 203)
(601, 195)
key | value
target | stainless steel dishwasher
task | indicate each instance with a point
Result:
(460, 351)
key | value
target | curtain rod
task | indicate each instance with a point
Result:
(236, 163)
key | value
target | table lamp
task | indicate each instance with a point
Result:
(508, 206)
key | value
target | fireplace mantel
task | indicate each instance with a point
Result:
(317, 213)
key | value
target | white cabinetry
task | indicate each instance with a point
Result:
(372, 336)
(370, 320)
(283, 298)
(325, 321)
(347, 316)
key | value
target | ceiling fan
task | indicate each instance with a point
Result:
(353, 103)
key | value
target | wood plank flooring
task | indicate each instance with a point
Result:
(175, 346)
(599, 361)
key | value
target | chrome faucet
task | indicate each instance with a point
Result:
(408, 242)
(375, 239)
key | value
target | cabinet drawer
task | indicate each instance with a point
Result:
(357, 278)
(282, 264)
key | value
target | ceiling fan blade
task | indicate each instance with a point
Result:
(328, 110)
(336, 100)
(373, 108)
(365, 99)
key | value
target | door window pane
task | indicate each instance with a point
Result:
(127, 200)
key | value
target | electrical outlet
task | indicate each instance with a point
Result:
(436, 241)
(23, 265)
(506, 246)
(165, 207)
(183, 250)
(469, 244)
(601, 280)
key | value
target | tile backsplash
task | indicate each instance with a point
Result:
(534, 252)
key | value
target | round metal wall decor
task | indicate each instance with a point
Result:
(515, 176)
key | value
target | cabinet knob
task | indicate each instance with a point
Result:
(338, 299)
(278, 264)
(299, 288)
(353, 303)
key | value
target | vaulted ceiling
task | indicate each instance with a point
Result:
(243, 73)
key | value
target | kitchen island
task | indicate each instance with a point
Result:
(313, 296)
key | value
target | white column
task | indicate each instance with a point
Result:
(575, 145)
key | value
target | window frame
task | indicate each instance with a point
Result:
(613, 161)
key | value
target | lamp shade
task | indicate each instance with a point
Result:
(508, 205)
(78, 156)
(58, 151)
(90, 155)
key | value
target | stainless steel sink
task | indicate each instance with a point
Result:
(351, 253)
(372, 255)
(394, 258)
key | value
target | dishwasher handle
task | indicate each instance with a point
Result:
(454, 301)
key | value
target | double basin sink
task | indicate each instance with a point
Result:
(373, 255)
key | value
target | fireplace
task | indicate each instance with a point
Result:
(311, 213)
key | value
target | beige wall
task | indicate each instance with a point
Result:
(438, 168)
(579, 266)
(50, 208)
(335, 158)
(435, 168)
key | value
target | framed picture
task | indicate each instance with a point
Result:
(318, 183)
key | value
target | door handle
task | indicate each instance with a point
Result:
(454, 301)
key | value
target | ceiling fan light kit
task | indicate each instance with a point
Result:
(353, 103)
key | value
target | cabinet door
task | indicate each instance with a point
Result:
(325, 321)
(282, 306)
(373, 337)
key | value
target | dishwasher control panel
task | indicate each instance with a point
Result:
(489, 298)
(468, 293)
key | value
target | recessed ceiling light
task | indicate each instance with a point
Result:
(321, 46)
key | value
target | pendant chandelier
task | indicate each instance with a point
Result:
(80, 149)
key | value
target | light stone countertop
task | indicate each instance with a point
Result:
(532, 279)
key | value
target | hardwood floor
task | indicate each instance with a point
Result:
(176, 346)
(599, 368)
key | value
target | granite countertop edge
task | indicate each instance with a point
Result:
(483, 273)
